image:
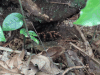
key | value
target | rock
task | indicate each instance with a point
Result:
(51, 10)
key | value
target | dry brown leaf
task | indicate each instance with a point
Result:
(15, 70)
(40, 61)
(19, 59)
(10, 62)
(4, 71)
(32, 67)
(22, 54)
(45, 64)
(3, 64)
(97, 42)
(10, 74)
(24, 69)
(11, 66)
(5, 56)
(42, 73)
(53, 52)
(31, 70)
(7, 67)
(16, 60)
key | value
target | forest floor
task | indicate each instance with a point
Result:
(64, 49)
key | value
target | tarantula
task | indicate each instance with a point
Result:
(49, 36)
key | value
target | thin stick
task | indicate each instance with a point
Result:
(88, 47)
(74, 67)
(69, 4)
(81, 50)
(10, 50)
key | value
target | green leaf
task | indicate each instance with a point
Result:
(2, 37)
(90, 15)
(12, 22)
(23, 31)
(32, 33)
(35, 39)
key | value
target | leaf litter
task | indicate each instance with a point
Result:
(39, 63)
(70, 57)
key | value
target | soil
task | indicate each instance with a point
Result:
(59, 32)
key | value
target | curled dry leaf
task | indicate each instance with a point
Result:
(4, 69)
(45, 64)
(54, 52)
(16, 60)
(11, 61)
(13, 65)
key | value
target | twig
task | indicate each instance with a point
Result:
(75, 67)
(85, 53)
(88, 48)
(69, 3)
(10, 50)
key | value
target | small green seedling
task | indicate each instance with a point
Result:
(31, 34)
(14, 21)
(90, 15)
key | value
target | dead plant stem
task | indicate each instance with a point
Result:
(81, 50)
(74, 67)
(88, 47)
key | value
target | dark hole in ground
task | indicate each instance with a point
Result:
(47, 31)
(43, 27)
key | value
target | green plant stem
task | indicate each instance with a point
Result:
(23, 17)
(29, 35)
(25, 25)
